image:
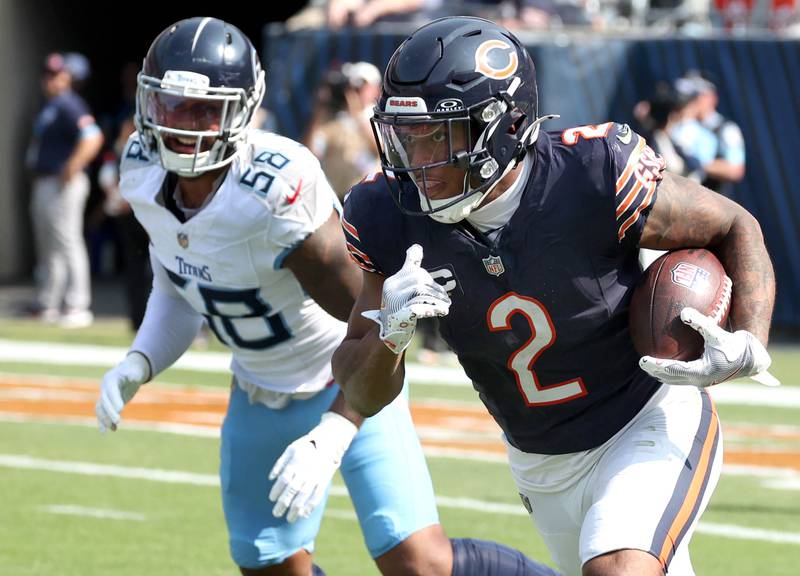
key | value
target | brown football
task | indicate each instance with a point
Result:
(693, 277)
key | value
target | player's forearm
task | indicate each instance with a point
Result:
(341, 407)
(168, 328)
(370, 375)
(744, 255)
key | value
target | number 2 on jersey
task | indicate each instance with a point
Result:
(571, 136)
(521, 362)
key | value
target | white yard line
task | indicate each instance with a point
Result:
(86, 355)
(106, 356)
(18, 461)
(102, 513)
(744, 533)
(774, 477)
(22, 462)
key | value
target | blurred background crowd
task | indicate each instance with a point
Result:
(693, 16)
(75, 128)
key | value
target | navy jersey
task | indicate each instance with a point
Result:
(539, 316)
(57, 130)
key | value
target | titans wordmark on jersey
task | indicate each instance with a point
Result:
(539, 315)
(226, 261)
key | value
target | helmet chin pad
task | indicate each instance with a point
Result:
(193, 165)
(455, 212)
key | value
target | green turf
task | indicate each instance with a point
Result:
(184, 532)
(730, 413)
(104, 331)
(166, 378)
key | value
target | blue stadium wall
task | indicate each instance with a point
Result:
(591, 80)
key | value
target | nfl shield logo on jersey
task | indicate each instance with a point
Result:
(183, 240)
(494, 265)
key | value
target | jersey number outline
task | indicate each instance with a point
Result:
(521, 361)
(256, 306)
(249, 298)
(570, 136)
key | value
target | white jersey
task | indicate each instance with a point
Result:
(226, 261)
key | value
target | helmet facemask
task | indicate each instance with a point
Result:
(476, 147)
(193, 126)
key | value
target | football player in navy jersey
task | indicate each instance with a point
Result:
(525, 243)
(244, 231)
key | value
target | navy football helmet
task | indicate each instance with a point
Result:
(199, 87)
(459, 103)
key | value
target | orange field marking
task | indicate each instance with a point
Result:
(461, 428)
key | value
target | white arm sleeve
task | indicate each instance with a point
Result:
(169, 326)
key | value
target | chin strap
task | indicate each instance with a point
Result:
(528, 137)
(531, 133)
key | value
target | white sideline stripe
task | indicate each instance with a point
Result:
(459, 454)
(108, 356)
(69, 510)
(32, 394)
(769, 472)
(783, 484)
(743, 533)
(176, 477)
(765, 472)
(91, 422)
(86, 355)
(89, 469)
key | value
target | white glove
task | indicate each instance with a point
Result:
(306, 467)
(727, 355)
(409, 294)
(118, 387)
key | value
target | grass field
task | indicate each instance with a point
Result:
(145, 500)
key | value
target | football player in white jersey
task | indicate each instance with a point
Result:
(245, 233)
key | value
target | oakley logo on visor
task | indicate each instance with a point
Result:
(493, 59)
(410, 104)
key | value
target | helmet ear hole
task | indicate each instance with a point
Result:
(518, 118)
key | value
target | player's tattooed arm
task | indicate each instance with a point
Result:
(324, 269)
(687, 215)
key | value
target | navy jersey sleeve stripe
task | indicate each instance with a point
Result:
(364, 224)
(633, 160)
(644, 204)
(360, 258)
(636, 186)
(353, 241)
(350, 230)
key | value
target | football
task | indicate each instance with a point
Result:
(693, 277)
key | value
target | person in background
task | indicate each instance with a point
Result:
(65, 140)
(688, 133)
(133, 239)
(658, 117)
(363, 13)
(339, 133)
(728, 166)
